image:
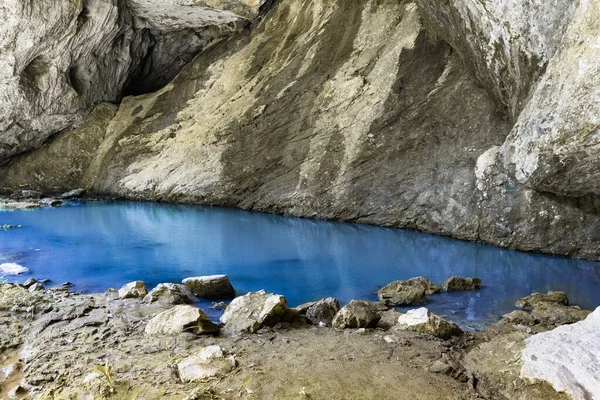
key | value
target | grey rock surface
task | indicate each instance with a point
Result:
(357, 314)
(423, 321)
(410, 292)
(132, 290)
(181, 319)
(170, 293)
(254, 310)
(456, 283)
(323, 311)
(211, 287)
(536, 299)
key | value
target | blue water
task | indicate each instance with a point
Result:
(97, 245)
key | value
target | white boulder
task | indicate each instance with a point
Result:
(12, 269)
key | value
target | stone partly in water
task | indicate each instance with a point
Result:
(410, 292)
(456, 283)
(254, 310)
(567, 357)
(211, 287)
(552, 314)
(423, 321)
(12, 269)
(323, 311)
(181, 319)
(209, 362)
(357, 314)
(131, 290)
(170, 293)
(535, 299)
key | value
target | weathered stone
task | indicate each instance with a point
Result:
(423, 321)
(303, 308)
(518, 317)
(557, 314)
(456, 283)
(133, 290)
(254, 310)
(30, 194)
(16, 392)
(30, 282)
(410, 292)
(181, 319)
(567, 357)
(73, 194)
(535, 299)
(36, 287)
(12, 269)
(211, 287)
(323, 311)
(170, 293)
(356, 314)
(440, 367)
(209, 362)
(389, 318)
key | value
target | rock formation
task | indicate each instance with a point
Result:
(465, 118)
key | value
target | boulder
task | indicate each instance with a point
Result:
(357, 314)
(254, 310)
(423, 321)
(133, 290)
(12, 269)
(567, 357)
(170, 293)
(209, 362)
(533, 300)
(323, 311)
(73, 194)
(181, 319)
(553, 314)
(36, 287)
(211, 287)
(29, 282)
(388, 319)
(456, 283)
(410, 292)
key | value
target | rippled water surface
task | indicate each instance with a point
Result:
(97, 245)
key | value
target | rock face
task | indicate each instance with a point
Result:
(357, 314)
(456, 283)
(254, 310)
(133, 290)
(325, 109)
(407, 292)
(211, 287)
(323, 311)
(567, 357)
(181, 319)
(170, 293)
(423, 321)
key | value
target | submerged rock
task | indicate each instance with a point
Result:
(567, 357)
(456, 283)
(181, 319)
(209, 362)
(323, 311)
(211, 287)
(423, 321)
(535, 299)
(170, 293)
(12, 269)
(357, 314)
(410, 292)
(254, 310)
(133, 290)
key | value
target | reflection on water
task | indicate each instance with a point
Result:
(97, 245)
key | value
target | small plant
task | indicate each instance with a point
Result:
(105, 374)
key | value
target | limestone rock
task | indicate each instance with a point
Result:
(356, 314)
(170, 293)
(133, 290)
(181, 319)
(323, 311)
(12, 269)
(423, 321)
(557, 314)
(410, 292)
(209, 362)
(567, 357)
(211, 287)
(254, 310)
(36, 287)
(456, 283)
(535, 299)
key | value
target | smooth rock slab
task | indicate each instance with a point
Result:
(170, 293)
(323, 311)
(209, 362)
(410, 292)
(211, 287)
(254, 310)
(357, 314)
(567, 357)
(12, 269)
(181, 319)
(133, 290)
(423, 321)
(455, 284)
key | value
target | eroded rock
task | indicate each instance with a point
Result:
(557, 314)
(181, 319)
(170, 293)
(423, 321)
(254, 310)
(132, 290)
(535, 299)
(456, 283)
(410, 292)
(211, 287)
(357, 314)
(323, 311)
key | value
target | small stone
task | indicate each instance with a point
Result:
(529, 302)
(17, 392)
(518, 317)
(73, 194)
(208, 363)
(170, 293)
(422, 320)
(181, 319)
(133, 290)
(67, 284)
(29, 282)
(356, 314)
(36, 287)
(12, 269)
(440, 367)
(254, 310)
(456, 283)
(51, 202)
(323, 311)
(211, 287)
(389, 339)
(303, 308)
(410, 292)
(220, 305)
